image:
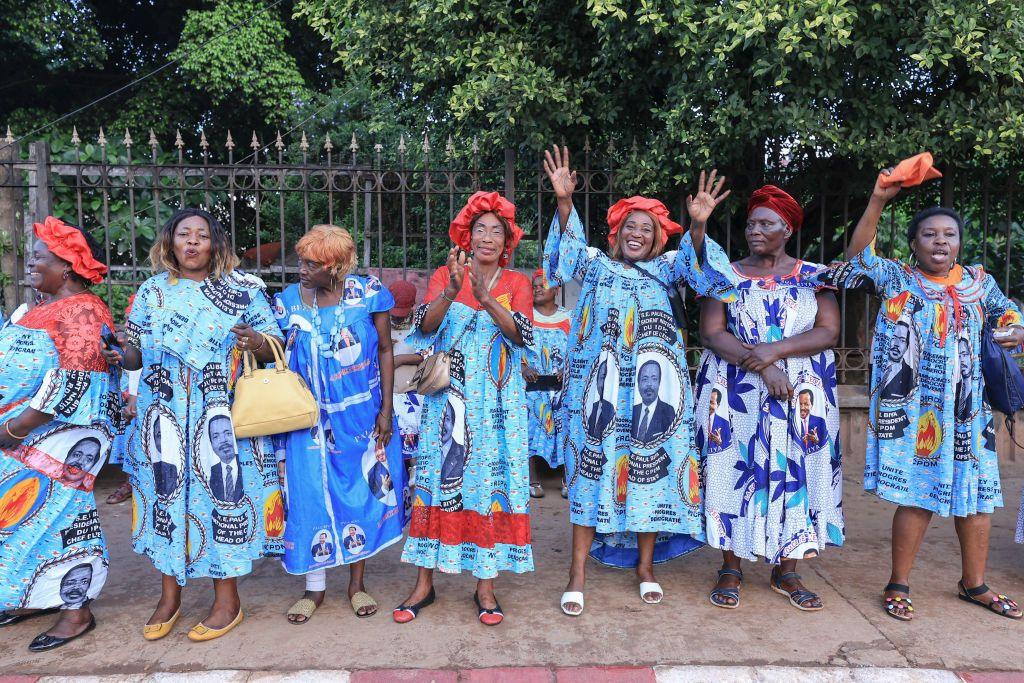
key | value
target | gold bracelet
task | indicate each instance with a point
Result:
(446, 297)
(7, 426)
(263, 342)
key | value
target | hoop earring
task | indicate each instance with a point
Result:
(67, 274)
(913, 260)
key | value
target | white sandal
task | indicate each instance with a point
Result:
(572, 597)
(651, 587)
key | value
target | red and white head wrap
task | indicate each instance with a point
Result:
(779, 201)
(460, 230)
(620, 210)
(68, 243)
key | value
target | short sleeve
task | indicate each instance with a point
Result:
(438, 281)
(709, 275)
(378, 297)
(566, 254)
(140, 317)
(999, 309)
(887, 275)
(522, 308)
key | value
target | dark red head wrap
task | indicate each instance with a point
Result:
(485, 202)
(779, 201)
(619, 211)
(68, 243)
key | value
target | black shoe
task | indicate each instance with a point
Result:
(44, 642)
(10, 618)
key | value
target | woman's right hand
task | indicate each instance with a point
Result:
(563, 179)
(884, 194)
(777, 382)
(456, 271)
(530, 373)
(110, 355)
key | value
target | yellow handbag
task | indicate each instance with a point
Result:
(271, 400)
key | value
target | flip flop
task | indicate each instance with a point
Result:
(303, 607)
(797, 597)
(651, 587)
(361, 600)
(572, 597)
(721, 593)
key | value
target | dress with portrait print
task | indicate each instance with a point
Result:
(471, 499)
(631, 464)
(547, 356)
(204, 504)
(52, 550)
(927, 446)
(772, 469)
(344, 492)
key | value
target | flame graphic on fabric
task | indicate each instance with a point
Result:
(584, 321)
(188, 540)
(17, 502)
(549, 419)
(502, 362)
(693, 481)
(940, 323)
(621, 479)
(1009, 318)
(894, 306)
(629, 328)
(929, 435)
(273, 515)
(135, 515)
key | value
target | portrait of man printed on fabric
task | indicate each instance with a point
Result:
(599, 406)
(220, 457)
(900, 374)
(378, 476)
(74, 586)
(453, 451)
(70, 582)
(653, 415)
(82, 460)
(354, 539)
(322, 549)
(809, 429)
(719, 429)
(164, 454)
(963, 397)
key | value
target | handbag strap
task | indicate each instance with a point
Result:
(668, 289)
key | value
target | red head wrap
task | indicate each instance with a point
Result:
(619, 211)
(68, 243)
(779, 201)
(480, 203)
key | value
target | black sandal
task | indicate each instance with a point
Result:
(893, 604)
(10, 618)
(400, 612)
(1001, 604)
(718, 594)
(798, 597)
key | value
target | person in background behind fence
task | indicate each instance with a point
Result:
(923, 454)
(55, 433)
(408, 404)
(206, 504)
(545, 357)
(627, 409)
(125, 433)
(471, 499)
(767, 417)
(344, 479)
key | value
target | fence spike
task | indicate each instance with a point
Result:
(127, 138)
(178, 142)
(611, 147)
(304, 143)
(279, 143)
(102, 139)
(202, 139)
(328, 145)
(354, 145)
(378, 148)
(634, 145)
(426, 144)
(255, 144)
(586, 144)
(75, 140)
(401, 144)
(152, 139)
(230, 144)
(9, 138)
(449, 148)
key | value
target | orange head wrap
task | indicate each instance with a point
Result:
(480, 203)
(619, 211)
(68, 243)
(779, 201)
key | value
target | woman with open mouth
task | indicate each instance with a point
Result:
(931, 446)
(54, 435)
(626, 417)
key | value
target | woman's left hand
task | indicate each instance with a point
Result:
(246, 338)
(758, 357)
(709, 195)
(480, 290)
(382, 428)
(1014, 336)
(6, 440)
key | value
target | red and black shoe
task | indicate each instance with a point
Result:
(403, 614)
(489, 617)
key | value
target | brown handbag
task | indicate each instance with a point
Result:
(434, 373)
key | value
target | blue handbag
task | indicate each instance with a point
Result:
(1004, 381)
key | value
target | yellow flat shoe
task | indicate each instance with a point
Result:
(201, 632)
(158, 631)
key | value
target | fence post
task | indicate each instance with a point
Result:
(10, 226)
(510, 186)
(39, 196)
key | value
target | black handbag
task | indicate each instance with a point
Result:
(675, 300)
(1004, 381)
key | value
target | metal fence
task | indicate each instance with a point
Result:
(397, 201)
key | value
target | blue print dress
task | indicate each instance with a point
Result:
(471, 502)
(52, 551)
(547, 356)
(772, 478)
(344, 492)
(931, 442)
(631, 464)
(204, 504)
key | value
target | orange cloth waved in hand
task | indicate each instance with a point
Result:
(910, 172)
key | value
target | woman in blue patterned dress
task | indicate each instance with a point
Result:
(471, 498)
(769, 443)
(344, 480)
(546, 357)
(204, 504)
(56, 397)
(931, 450)
(626, 421)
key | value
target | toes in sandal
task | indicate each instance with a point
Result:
(899, 607)
(798, 597)
(120, 494)
(572, 597)
(565, 491)
(651, 587)
(363, 600)
(304, 607)
(488, 617)
(403, 614)
(536, 490)
(1001, 604)
(719, 596)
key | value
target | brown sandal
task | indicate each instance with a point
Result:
(120, 494)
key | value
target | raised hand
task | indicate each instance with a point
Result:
(709, 195)
(456, 271)
(884, 194)
(563, 179)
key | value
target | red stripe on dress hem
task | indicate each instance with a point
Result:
(467, 526)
